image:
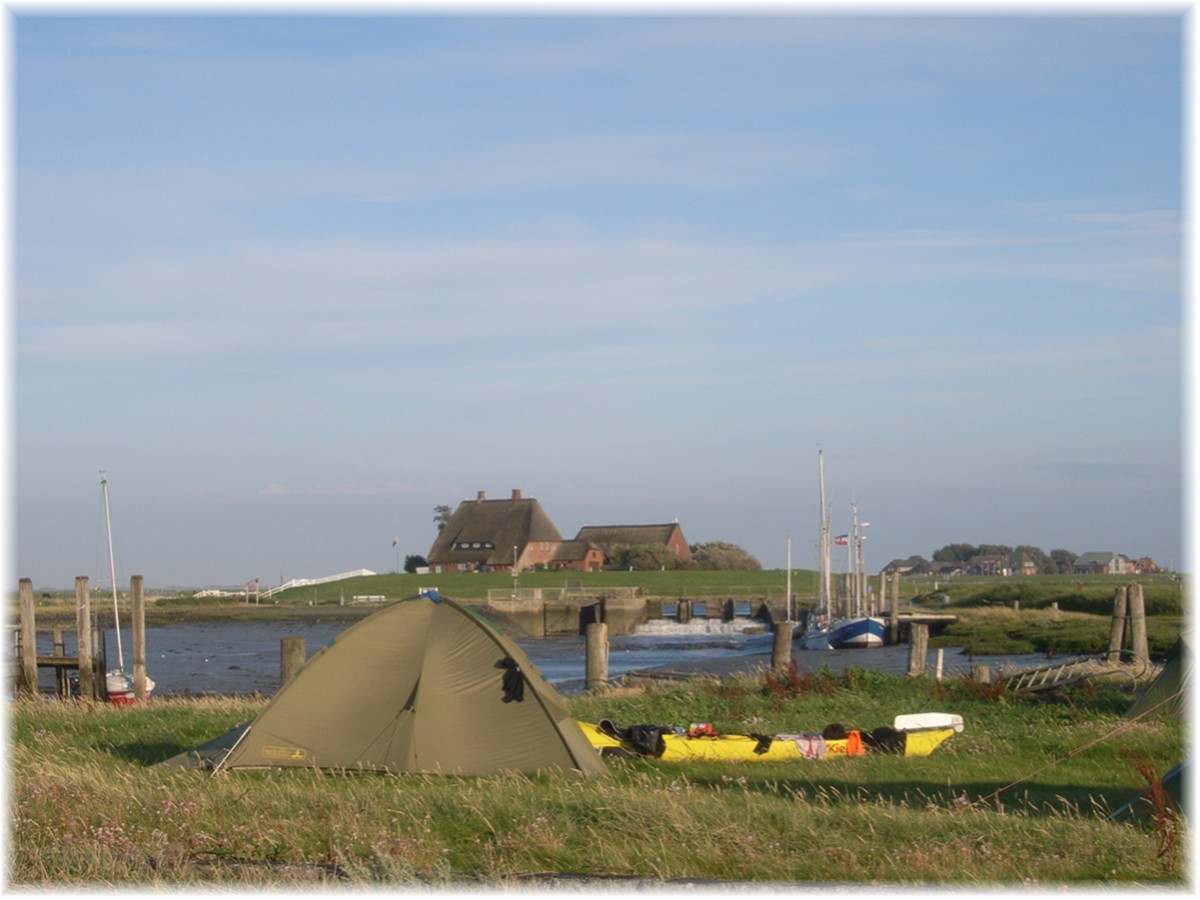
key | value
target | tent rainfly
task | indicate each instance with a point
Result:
(422, 686)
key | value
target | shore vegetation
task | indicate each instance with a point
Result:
(1022, 798)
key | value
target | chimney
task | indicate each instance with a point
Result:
(480, 497)
(516, 494)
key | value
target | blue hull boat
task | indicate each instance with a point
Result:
(857, 633)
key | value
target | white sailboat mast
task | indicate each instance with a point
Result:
(790, 616)
(852, 561)
(824, 547)
(112, 569)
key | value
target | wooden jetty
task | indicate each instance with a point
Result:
(89, 660)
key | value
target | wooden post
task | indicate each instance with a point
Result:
(83, 638)
(1116, 631)
(29, 672)
(596, 662)
(684, 611)
(62, 679)
(781, 650)
(291, 658)
(1054, 616)
(137, 613)
(1137, 624)
(918, 647)
(981, 673)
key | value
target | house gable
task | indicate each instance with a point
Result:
(578, 556)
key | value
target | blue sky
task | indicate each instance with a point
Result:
(294, 280)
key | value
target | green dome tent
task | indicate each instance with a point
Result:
(422, 686)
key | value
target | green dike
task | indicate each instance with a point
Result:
(88, 808)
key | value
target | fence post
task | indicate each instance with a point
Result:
(137, 612)
(291, 658)
(83, 638)
(918, 647)
(62, 678)
(596, 662)
(1116, 631)
(781, 650)
(1137, 624)
(28, 639)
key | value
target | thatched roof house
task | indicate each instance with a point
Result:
(493, 535)
(609, 536)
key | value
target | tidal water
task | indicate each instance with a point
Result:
(244, 657)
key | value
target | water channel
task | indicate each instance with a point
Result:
(244, 657)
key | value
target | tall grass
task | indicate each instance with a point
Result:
(89, 809)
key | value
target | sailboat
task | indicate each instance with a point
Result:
(118, 683)
(831, 628)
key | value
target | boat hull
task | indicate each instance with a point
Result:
(847, 634)
(119, 688)
(817, 639)
(857, 633)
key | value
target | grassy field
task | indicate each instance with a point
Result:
(1020, 799)
(996, 615)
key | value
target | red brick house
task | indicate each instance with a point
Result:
(578, 556)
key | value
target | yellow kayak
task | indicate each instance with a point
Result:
(917, 735)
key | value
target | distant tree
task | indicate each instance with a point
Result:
(441, 515)
(1045, 565)
(955, 553)
(642, 557)
(995, 550)
(722, 555)
(414, 562)
(1064, 560)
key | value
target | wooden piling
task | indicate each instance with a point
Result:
(138, 615)
(781, 650)
(1137, 624)
(683, 613)
(596, 662)
(29, 672)
(918, 648)
(291, 658)
(1116, 632)
(83, 637)
(981, 673)
(62, 679)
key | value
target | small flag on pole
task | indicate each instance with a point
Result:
(842, 540)
(395, 541)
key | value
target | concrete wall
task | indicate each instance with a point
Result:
(540, 617)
